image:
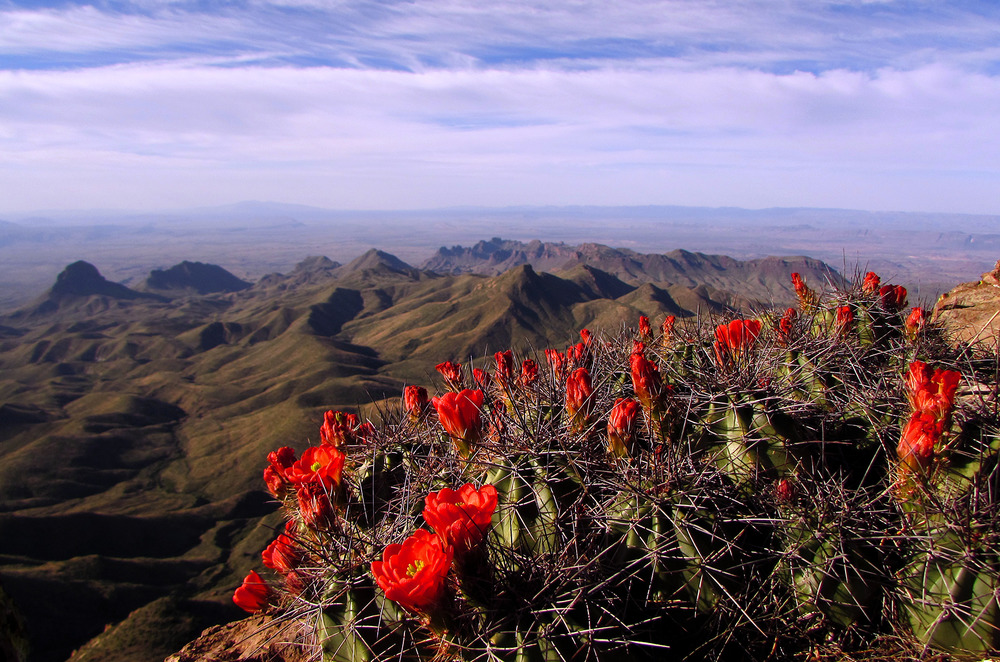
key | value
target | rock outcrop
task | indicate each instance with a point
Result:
(971, 312)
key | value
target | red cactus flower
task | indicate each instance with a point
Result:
(275, 482)
(735, 339)
(461, 517)
(644, 329)
(415, 402)
(785, 491)
(283, 555)
(556, 361)
(893, 297)
(586, 336)
(315, 503)
(413, 574)
(915, 323)
(319, 464)
(871, 283)
(579, 401)
(504, 369)
(279, 462)
(646, 381)
(482, 378)
(667, 329)
(845, 318)
(461, 417)
(365, 431)
(338, 428)
(916, 447)
(786, 325)
(576, 355)
(529, 374)
(622, 424)
(932, 391)
(807, 298)
(253, 595)
(452, 373)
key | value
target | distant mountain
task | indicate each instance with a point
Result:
(764, 280)
(194, 277)
(134, 429)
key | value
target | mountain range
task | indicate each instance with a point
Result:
(135, 421)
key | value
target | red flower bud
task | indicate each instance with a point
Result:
(413, 574)
(667, 328)
(415, 402)
(915, 323)
(622, 427)
(557, 363)
(871, 283)
(529, 374)
(504, 369)
(893, 297)
(646, 381)
(578, 399)
(315, 504)
(845, 318)
(452, 373)
(916, 447)
(734, 339)
(482, 378)
(283, 555)
(338, 428)
(644, 329)
(253, 595)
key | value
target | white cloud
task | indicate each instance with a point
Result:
(462, 102)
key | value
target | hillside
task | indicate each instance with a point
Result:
(132, 424)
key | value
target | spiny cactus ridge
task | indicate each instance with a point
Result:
(739, 488)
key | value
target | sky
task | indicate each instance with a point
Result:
(357, 104)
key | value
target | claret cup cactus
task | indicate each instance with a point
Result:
(803, 484)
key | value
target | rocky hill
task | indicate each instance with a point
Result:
(132, 424)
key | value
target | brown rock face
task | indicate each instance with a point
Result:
(971, 312)
(254, 639)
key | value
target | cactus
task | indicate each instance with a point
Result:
(760, 504)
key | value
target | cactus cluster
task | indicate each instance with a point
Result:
(796, 484)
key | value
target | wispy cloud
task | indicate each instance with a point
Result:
(394, 104)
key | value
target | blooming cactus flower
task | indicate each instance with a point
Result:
(461, 417)
(413, 574)
(320, 464)
(622, 427)
(461, 517)
(253, 595)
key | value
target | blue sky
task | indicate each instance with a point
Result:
(865, 104)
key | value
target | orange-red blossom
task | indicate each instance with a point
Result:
(253, 595)
(735, 339)
(932, 397)
(622, 423)
(461, 517)
(579, 399)
(461, 417)
(413, 574)
(415, 402)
